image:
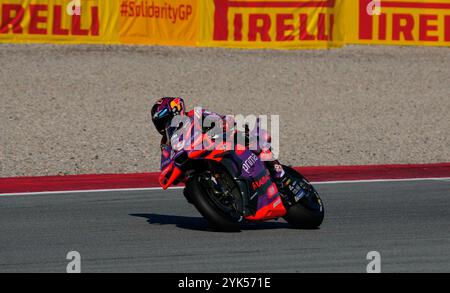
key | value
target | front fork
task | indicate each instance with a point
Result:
(292, 194)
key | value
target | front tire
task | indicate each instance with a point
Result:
(308, 212)
(216, 217)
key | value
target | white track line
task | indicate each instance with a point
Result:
(382, 180)
(180, 187)
(88, 191)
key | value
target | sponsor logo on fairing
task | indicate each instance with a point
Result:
(272, 190)
(249, 163)
(258, 183)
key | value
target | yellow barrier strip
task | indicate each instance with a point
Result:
(288, 24)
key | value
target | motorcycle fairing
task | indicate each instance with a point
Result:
(262, 199)
(262, 190)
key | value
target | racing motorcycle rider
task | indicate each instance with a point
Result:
(166, 108)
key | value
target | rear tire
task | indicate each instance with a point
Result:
(200, 199)
(309, 212)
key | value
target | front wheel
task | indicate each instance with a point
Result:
(218, 200)
(308, 212)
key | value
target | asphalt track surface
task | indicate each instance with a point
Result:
(158, 231)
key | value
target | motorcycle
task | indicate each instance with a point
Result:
(231, 186)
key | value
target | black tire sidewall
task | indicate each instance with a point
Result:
(207, 208)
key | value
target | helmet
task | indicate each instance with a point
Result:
(164, 110)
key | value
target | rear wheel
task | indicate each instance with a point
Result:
(308, 212)
(217, 197)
